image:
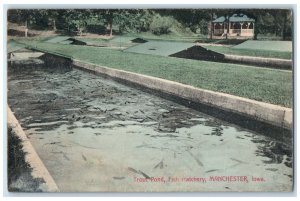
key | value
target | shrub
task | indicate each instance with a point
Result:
(161, 25)
(200, 28)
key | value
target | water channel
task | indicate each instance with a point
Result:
(94, 134)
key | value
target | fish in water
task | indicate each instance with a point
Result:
(196, 159)
(118, 178)
(160, 165)
(133, 170)
(145, 175)
(213, 170)
(66, 157)
(138, 172)
(237, 160)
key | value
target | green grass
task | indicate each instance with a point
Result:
(279, 46)
(13, 46)
(262, 84)
(105, 42)
(122, 39)
(58, 39)
(123, 42)
(35, 38)
(250, 52)
(162, 48)
(168, 37)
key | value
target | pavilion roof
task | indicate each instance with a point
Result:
(235, 18)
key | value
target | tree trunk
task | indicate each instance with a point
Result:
(110, 24)
(211, 25)
(110, 28)
(54, 25)
(284, 27)
(26, 28)
(255, 32)
(227, 27)
(79, 30)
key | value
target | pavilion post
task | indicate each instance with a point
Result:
(253, 31)
(241, 23)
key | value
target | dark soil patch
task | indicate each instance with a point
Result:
(76, 42)
(199, 53)
(139, 40)
(230, 41)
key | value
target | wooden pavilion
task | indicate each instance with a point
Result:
(238, 26)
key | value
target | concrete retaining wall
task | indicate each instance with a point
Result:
(265, 112)
(31, 157)
(273, 62)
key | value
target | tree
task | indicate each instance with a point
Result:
(110, 17)
(161, 24)
(194, 19)
(282, 21)
(278, 21)
(76, 20)
(211, 23)
(263, 22)
(24, 15)
(27, 17)
(52, 17)
(125, 19)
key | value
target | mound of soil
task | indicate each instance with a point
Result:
(139, 40)
(76, 42)
(199, 53)
(230, 42)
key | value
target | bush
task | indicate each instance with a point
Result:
(161, 25)
(200, 28)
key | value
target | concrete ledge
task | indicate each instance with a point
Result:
(282, 63)
(31, 157)
(265, 112)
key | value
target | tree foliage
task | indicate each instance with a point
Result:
(157, 21)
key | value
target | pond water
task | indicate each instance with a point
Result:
(94, 134)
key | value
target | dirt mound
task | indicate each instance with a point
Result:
(199, 53)
(76, 42)
(139, 40)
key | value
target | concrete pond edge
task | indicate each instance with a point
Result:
(39, 170)
(265, 112)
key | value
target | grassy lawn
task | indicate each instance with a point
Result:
(13, 46)
(169, 37)
(123, 41)
(163, 48)
(126, 39)
(279, 46)
(105, 42)
(250, 52)
(262, 84)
